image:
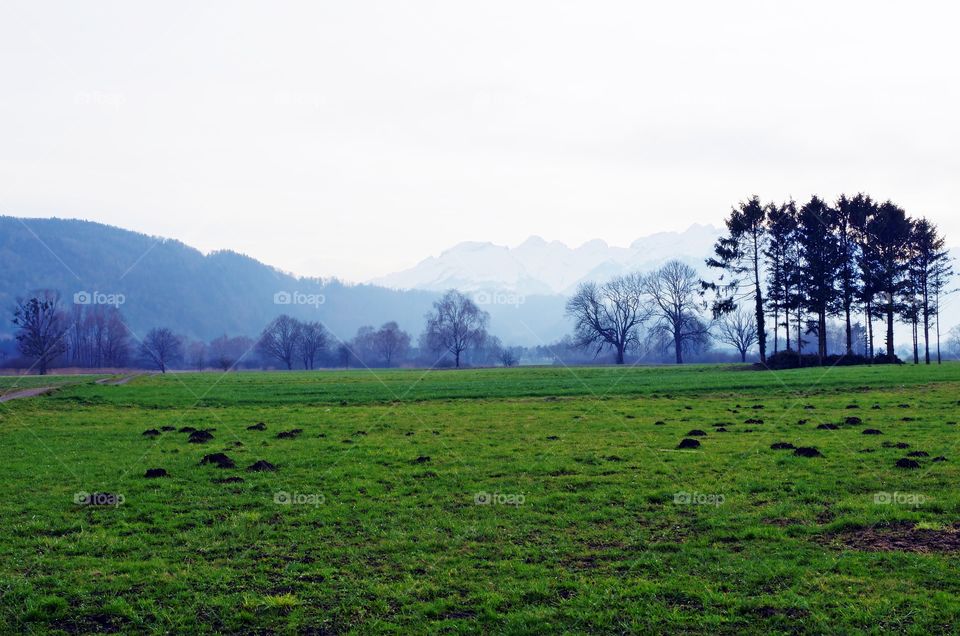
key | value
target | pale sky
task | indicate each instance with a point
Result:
(355, 138)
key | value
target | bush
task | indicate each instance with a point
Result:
(790, 360)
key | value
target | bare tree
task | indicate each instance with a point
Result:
(280, 339)
(674, 289)
(313, 340)
(161, 348)
(609, 315)
(739, 330)
(196, 353)
(509, 356)
(43, 328)
(455, 325)
(98, 337)
(391, 342)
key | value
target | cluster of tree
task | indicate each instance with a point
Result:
(635, 313)
(803, 265)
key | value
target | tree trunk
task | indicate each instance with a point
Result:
(891, 356)
(916, 344)
(743, 355)
(869, 310)
(758, 296)
(620, 349)
(849, 332)
(678, 345)
(457, 358)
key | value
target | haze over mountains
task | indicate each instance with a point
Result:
(540, 267)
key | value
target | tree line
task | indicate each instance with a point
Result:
(96, 336)
(800, 265)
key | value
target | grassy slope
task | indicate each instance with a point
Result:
(399, 546)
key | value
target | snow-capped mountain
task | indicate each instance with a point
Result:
(539, 267)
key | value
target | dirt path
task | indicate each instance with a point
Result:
(118, 381)
(26, 393)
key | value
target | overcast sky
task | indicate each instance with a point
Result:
(355, 138)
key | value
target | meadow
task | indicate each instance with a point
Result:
(519, 501)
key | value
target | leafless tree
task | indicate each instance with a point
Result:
(455, 325)
(98, 337)
(509, 357)
(739, 330)
(609, 315)
(161, 348)
(391, 342)
(227, 353)
(42, 328)
(313, 340)
(675, 289)
(280, 339)
(196, 353)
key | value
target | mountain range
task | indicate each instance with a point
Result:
(539, 267)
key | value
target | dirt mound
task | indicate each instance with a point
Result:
(688, 443)
(853, 421)
(696, 433)
(168, 428)
(659, 423)
(807, 451)
(259, 426)
(291, 434)
(903, 537)
(827, 427)
(782, 446)
(721, 430)
(186, 429)
(553, 438)
(918, 454)
(872, 431)
(218, 459)
(752, 420)
(907, 463)
(423, 459)
(939, 458)
(261, 466)
(153, 473)
(229, 480)
(200, 437)
(151, 432)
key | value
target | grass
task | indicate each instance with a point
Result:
(509, 501)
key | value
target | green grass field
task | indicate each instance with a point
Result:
(527, 501)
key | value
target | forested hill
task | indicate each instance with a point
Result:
(167, 283)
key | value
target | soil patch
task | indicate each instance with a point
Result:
(907, 463)
(153, 473)
(782, 446)
(688, 443)
(200, 437)
(219, 460)
(807, 451)
(902, 536)
(261, 466)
